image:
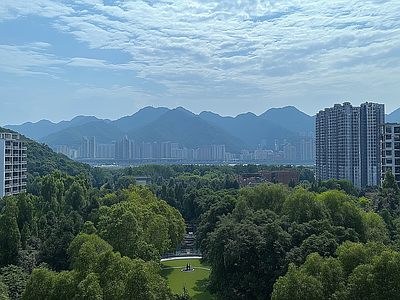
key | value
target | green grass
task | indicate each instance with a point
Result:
(194, 281)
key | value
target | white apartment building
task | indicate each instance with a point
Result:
(12, 164)
(390, 149)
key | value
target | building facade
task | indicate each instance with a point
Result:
(12, 164)
(390, 150)
(348, 143)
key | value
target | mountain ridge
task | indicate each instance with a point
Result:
(284, 125)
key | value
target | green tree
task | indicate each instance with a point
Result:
(15, 280)
(389, 182)
(265, 196)
(303, 206)
(125, 181)
(99, 273)
(3, 291)
(246, 255)
(297, 285)
(75, 197)
(10, 238)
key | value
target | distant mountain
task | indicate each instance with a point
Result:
(103, 131)
(43, 128)
(187, 129)
(393, 117)
(142, 117)
(252, 129)
(291, 118)
(149, 124)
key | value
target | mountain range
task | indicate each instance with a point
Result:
(149, 124)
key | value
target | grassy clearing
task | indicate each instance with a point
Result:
(194, 281)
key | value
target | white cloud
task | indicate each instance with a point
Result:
(25, 60)
(227, 48)
(11, 9)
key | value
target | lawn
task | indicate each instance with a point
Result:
(195, 281)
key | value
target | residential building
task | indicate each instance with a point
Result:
(12, 164)
(289, 152)
(307, 150)
(348, 143)
(390, 150)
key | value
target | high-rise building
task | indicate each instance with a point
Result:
(348, 143)
(12, 164)
(307, 150)
(289, 152)
(390, 150)
(84, 148)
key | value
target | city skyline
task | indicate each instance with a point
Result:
(108, 58)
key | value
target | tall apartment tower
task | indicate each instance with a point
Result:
(348, 143)
(390, 150)
(12, 164)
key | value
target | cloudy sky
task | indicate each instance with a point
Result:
(59, 59)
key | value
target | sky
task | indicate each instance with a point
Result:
(60, 59)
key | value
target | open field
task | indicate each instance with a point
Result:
(194, 281)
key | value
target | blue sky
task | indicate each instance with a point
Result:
(60, 59)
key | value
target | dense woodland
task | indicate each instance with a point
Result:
(92, 233)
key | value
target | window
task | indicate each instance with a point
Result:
(397, 170)
(388, 129)
(397, 161)
(388, 152)
(389, 145)
(388, 136)
(389, 161)
(397, 153)
(383, 161)
(397, 129)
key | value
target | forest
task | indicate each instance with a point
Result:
(93, 233)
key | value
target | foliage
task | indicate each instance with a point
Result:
(15, 280)
(334, 184)
(3, 290)
(361, 271)
(98, 273)
(389, 182)
(270, 227)
(142, 226)
(10, 237)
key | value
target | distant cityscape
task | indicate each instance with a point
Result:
(127, 149)
(353, 143)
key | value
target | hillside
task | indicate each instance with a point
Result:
(43, 128)
(290, 118)
(103, 131)
(252, 129)
(42, 160)
(142, 117)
